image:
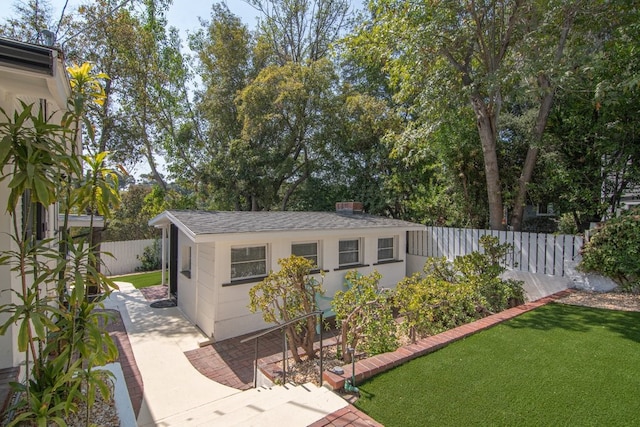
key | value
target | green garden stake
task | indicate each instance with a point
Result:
(350, 384)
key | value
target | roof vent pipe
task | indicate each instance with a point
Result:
(49, 37)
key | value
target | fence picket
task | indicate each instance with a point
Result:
(535, 253)
(549, 262)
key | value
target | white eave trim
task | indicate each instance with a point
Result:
(165, 219)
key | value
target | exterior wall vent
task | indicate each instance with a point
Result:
(25, 56)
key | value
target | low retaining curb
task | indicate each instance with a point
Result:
(367, 368)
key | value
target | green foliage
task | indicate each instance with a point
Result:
(567, 224)
(431, 305)
(130, 220)
(364, 313)
(54, 306)
(287, 294)
(151, 257)
(614, 250)
(451, 294)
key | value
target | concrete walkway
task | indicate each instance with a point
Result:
(176, 394)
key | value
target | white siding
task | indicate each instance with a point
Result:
(231, 313)
(206, 303)
(187, 289)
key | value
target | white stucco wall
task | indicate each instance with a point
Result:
(6, 340)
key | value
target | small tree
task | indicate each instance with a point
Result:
(614, 251)
(285, 295)
(364, 313)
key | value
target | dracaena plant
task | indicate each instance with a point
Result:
(60, 327)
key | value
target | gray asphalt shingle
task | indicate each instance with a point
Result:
(219, 222)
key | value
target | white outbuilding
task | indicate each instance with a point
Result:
(214, 258)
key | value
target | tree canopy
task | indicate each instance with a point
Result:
(456, 113)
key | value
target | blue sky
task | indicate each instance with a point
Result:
(184, 14)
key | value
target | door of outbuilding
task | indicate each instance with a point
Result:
(173, 262)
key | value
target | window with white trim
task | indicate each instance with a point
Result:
(248, 262)
(386, 249)
(308, 250)
(349, 252)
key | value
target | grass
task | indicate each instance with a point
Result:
(141, 280)
(557, 365)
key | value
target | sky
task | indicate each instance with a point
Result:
(184, 14)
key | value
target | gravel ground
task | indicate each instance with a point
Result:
(102, 414)
(609, 300)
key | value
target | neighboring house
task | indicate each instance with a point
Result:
(216, 257)
(35, 75)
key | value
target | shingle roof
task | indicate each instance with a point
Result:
(220, 222)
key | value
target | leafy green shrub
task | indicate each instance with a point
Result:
(365, 314)
(431, 305)
(567, 224)
(614, 251)
(451, 294)
(151, 257)
(482, 271)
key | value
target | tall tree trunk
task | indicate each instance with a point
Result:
(152, 165)
(486, 122)
(546, 101)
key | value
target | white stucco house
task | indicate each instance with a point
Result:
(216, 257)
(36, 75)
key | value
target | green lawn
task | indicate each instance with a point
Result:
(558, 365)
(141, 280)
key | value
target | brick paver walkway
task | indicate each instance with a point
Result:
(348, 416)
(127, 360)
(154, 293)
(230, 362)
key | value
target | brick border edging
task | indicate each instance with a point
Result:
(347, 416)
(367, 368)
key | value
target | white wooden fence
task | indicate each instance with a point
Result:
(125, 257)
(532, 252)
